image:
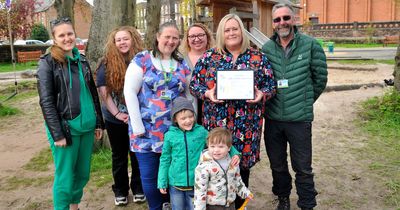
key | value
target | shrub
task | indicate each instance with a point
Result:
(39, 32)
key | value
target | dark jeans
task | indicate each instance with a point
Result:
(148, 165)
(119, 140)
(298, 134)
(245, 174)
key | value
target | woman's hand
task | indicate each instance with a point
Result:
(123, 117)
(98, 133)
(235, 161)
(61, 143)
(163, 191)
(210, 94)
(258, 96)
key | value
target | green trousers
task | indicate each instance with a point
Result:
(72, 170)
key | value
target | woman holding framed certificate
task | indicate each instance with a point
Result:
(241, 115)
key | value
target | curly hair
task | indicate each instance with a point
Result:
(185, 48)
(116, 62)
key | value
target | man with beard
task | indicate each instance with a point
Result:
(299, 66)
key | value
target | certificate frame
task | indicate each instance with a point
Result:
(235, 84)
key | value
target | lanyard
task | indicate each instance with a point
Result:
(167, 75)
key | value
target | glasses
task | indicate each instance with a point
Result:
(60, 21)
(199, 36)
(284, 18)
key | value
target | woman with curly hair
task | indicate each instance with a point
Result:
(122, 44)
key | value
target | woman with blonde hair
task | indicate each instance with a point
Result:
(122, 44)
(196, 41)
(243, 118)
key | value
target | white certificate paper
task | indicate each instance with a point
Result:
(235, 84)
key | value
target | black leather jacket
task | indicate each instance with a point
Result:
(55, 94)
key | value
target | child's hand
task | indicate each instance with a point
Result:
(235, 161)
(163, 191)
(250, 197)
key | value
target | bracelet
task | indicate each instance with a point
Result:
(117, 114)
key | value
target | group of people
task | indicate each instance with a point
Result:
(160, 107)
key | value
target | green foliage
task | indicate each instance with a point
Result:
(381, 118)
(359, 45)
(7, 111)
(8, 67)
(39, 32)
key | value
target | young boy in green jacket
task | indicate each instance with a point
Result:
(183, 144)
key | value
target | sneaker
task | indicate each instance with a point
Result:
(166, 206)
(121, 200)
(284, 203)
(139, 198)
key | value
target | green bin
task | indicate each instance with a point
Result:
(331, 46)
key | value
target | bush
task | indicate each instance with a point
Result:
(39, 32)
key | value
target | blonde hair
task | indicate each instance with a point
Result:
(116, 62)
(219, 135)
(220, 40)
(185, 47)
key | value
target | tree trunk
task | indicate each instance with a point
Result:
(105, 17)
(396, 72)
(65, 8)
(172, 10)
(153, 14)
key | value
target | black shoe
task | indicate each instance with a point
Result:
(306, 208)
(284, 203)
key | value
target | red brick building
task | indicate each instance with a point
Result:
(82, 12)
(348, 11)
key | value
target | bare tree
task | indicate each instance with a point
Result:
(106, 16)
(153, 14)
(65, 8)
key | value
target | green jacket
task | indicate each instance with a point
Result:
(306, 71)
(180, 155)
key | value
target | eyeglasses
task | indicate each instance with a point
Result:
(60, 21)
(199, 36)
(284, 18)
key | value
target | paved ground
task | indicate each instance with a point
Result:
(378, 53)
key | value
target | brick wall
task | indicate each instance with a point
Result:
(348, 11)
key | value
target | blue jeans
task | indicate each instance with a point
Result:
(148, 166)
(181, 200)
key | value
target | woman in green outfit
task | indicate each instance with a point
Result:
(71, 111)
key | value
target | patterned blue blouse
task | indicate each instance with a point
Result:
(154, 109)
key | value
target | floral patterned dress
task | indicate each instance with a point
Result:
(154, 109)
(243, 119)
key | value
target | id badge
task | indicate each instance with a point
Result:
(283, 83)
(166, 94)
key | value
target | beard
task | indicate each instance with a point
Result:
(284, 33)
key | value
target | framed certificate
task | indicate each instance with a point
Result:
(235, 84)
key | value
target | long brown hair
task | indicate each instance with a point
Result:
(116, 62)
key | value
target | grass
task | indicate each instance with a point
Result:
(364, 62)
(380, 117)
(8, 67)
(6, 111)
(40, 162)
(101, 168)
(370, 45)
